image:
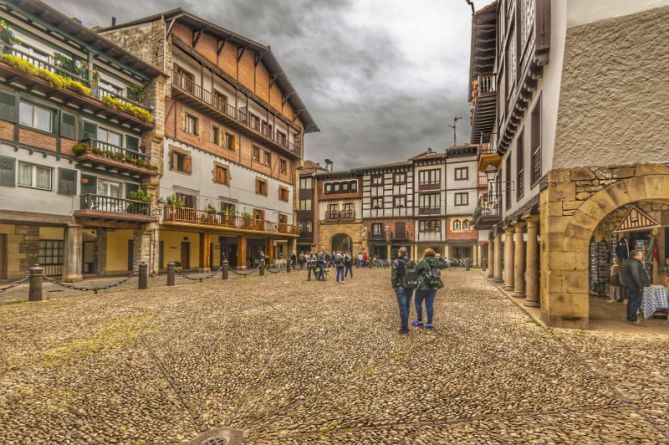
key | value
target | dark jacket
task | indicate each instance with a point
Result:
(397, 271)
(638, 274)
(423, 269)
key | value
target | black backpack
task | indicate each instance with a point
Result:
(434, 277)
(409, 274)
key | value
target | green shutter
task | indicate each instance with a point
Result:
(88, 130)
(130, 187)
(132, 143)
(67, 182)
(90, 186)
(7, 169)
(68, 127)
(8, 107)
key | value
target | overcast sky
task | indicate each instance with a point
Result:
(382, 78)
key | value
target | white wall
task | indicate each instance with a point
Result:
(241, 190)
(582, 12)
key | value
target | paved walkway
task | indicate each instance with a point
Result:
(295, 362)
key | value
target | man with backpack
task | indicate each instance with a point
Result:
(429, 281)
(339, 266)
(348, 264)
(403, 278)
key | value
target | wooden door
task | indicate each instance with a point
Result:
(185, 255)
(131, 251)
(3, 256)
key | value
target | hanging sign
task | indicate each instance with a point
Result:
(636, 219)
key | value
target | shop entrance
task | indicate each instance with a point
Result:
(228, 249)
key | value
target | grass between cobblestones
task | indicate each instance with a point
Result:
(294, 362)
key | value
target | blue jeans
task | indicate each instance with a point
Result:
(634, 303)
(404, 302)
(428, 296)
(340, 274)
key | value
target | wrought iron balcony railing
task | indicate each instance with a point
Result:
(113, 204)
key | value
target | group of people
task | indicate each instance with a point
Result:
(424, 279)
(318, 264)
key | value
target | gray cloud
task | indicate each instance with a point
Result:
(379, 92)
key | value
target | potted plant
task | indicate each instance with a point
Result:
(247, 220)
(173, 201)
(6, 34)
(80, 148)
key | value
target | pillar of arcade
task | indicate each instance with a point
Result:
(508, 258)
(519, 261)
(498, 257)
(532, 262)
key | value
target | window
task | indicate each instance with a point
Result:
(429, 178)
(377, 230)
(132, 142)
(230, 142)
(306, 227)
(283, 166)
(304, 204)
(461, 199)
(457, 225)
(261, 187)
(328, 188)
(254, 121)
(430, 226)
(429, 201)
(354, 186)
(51, 252)
(377, 179)
(535, 143)
(335, 187)
(399, 178)
(281, 137)
(220, 100)
(377, 203)
(184, 79)
(466, 225)
(215, 135)
(228, 208)
(268, 158)
(34, 176)
(399, 201)
(36, 117)
(462, 173)
(180, 162)
(109, 188)
(258, 215)
(520, 166)
(7, 171)
(284, 194)
(67, 182)
(109, 137)
(507, 175)
(190, 201)
(221, 175)
(344, 187)
(256, 153)
(306, 183)
(191, 124)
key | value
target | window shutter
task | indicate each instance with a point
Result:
(132, 143)
(89, 130)
(7, 171)
(67, 182)
(130, 187)
(174, 160)
(91, 186)
(187, 166)
(8, 107)
(68, 127)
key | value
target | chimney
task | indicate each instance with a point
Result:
(113, 21)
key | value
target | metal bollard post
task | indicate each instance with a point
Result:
(288, 266)
(36, 280)
(171, 273)
(143, 276)
(225, 270)
(261, 268)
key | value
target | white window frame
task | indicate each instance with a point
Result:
(107, 183)
(35, 108)
(33, 176)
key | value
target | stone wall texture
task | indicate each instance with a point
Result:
(614, 102)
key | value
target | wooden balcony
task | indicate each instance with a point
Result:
(488, 155)
(487, 213)
(186, 216)
(105, 211)
(429, 210)
(483, 106)
(429, 186)
(429, 237)
(205, 101)
(31, 73)
(339, 216)
(116, 160)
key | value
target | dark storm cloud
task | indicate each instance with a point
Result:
(353, 72)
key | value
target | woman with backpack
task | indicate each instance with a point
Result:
(429, 280)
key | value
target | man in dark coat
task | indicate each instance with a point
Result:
(638, 280)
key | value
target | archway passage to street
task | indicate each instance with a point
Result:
(341, 242)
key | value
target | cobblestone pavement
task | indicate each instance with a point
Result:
(295, 362)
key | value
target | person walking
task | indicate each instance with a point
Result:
(365, 259)
(320, 263)
(348, 265)
(312, 266)
(339, 266)
(402, 279)
(429, 281)
(638, 280)
(615, 287)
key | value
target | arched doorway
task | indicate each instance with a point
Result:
(341, 242)
(566, 236)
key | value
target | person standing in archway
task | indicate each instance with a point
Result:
(638, 280)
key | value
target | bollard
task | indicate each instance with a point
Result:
(143, 276)
(288, 266)
(36, 280)
(225, 270)
(261, 268)
(171, 273)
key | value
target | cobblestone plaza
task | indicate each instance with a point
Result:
(295, 362)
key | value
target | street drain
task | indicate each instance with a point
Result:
(221, 436)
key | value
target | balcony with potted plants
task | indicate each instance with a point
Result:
(111, 158)
(136, 209)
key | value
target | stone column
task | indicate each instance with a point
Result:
(389, 252)
(142, 247)
(293, 247)
(532, 262)
(241, 252)
(519, 262)
(100, 252)
(72, 255)
(508, 258)
(498, 257)
(490, 273)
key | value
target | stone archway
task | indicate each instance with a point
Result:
(341, 242)
(567, 225)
